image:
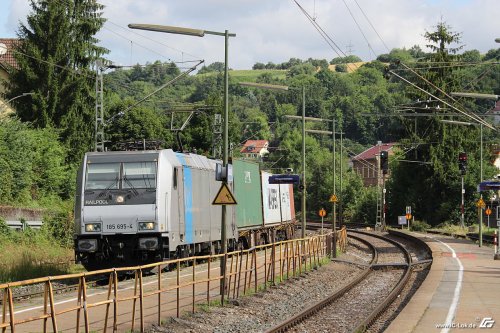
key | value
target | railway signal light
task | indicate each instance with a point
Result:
(384, 161)
(462, 162)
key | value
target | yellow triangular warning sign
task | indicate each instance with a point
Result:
(224, 196)
(333, 198)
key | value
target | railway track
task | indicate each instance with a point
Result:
(390, 261)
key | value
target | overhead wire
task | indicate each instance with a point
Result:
(366, 17)
(325, 35)
(145, 47)
(471, 116)
(458, 64)
(359, 28)
(178, 77)
(151, 39)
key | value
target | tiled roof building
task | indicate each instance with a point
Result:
(7, 59)
(366, 164)
(255, 149)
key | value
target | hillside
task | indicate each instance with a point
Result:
(242, 75)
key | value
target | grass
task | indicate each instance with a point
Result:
(450, 229)
(251, 75)
(458, 230)
(30, 255)
(205, 307)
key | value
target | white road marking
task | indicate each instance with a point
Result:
(453, 306)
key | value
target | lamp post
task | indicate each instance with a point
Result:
(225, 138)
(304, 118)
(19, 96)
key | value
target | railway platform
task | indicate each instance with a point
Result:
(461, 292)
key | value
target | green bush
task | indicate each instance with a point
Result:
(59, 226)
(419, 226)
(32, 164)
(4, 229)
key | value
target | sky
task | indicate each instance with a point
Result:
(277, 30)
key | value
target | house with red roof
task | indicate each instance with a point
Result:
(366, 164)
(255, 149)
(7, 61)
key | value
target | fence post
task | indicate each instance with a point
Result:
(329, 247)
(141, 299)
(110, 283)
(194, 284)
(159, 294)
(134, 301)
(115, 302)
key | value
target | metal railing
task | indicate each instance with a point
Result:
(144, 300)
(22, 225)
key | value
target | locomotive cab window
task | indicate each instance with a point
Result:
(139, 175)
(102, 176)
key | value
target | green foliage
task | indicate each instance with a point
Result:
(419, 226)
(59, 226)
(33, 165)
(4, 228)
(305, 68)
(345, 60)
(363, 208)
(471, 56)
(58, 38)
(214, 67)
(30, 254)
(341, 68)
(396, 54)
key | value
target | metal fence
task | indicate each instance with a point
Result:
(178, 286)
(22, 225)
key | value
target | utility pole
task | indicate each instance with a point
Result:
(334, 226)
(217, 137)
(378, 217)
(341, 218)
(99, 108)
(304, 189)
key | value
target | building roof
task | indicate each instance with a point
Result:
(8, 57)
(496, 109)
(373, 151)
(254, 146)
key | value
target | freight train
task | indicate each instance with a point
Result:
(138, 207)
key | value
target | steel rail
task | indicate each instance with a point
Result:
(368, 321)
(296, 319)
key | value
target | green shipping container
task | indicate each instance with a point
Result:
(247, 190)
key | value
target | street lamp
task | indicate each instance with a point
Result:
(475, 95)
(14, 98)
(285, 88)
(304, 118)
(201, 33)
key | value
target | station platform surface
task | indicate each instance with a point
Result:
(461, 292)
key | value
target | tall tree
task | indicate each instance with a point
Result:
(56, 50)
(435, 184)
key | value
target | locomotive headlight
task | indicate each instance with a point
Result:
(146, 225)
(148, 243)
(93, 227)
(87, 245)
(120, 199)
